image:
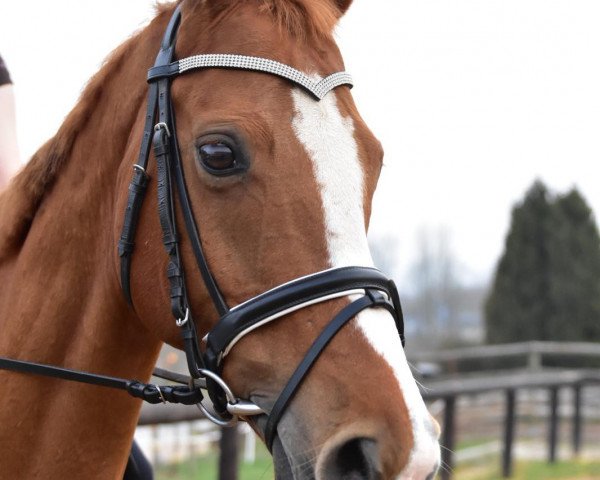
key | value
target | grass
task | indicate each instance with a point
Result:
(205, 468)
(473, 442)
(567, 470)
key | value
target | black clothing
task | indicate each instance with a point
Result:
(138, 466)
(4, 75)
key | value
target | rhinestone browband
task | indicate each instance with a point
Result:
(243, 62)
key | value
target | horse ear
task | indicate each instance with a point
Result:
(343, 5)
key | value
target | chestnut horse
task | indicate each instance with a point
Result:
(300, 205)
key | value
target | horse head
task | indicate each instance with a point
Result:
(264, 173)
(281, 184)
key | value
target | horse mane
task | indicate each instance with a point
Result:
(20, 201)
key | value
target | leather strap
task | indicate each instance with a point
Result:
(139, 182)
(159, 98)
(299, 291)
(165, 151)
(163, 71)
(147, 392)
(137, 191)
(371, 299)
(192, 226)
(166, 208)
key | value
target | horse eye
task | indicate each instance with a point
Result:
(217, 157)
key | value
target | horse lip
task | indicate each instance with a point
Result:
(260, 421)
(283, 467)
(283, 464)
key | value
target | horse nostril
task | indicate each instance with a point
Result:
(356, 459)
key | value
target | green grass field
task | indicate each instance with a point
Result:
(205, 468)
(568, 470)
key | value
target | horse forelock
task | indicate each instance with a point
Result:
(303, 19)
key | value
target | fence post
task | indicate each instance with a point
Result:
(448, 439)
(191, 449)
(534, 360)
(155, 445)
(228, 453)
(509, 434)
(553, 425)
(576, 419)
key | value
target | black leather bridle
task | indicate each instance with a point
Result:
(205, 364)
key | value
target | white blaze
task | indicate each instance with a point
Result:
(329, 140)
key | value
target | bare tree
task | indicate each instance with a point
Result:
(441, 308)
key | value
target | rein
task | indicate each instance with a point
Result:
(373, 288)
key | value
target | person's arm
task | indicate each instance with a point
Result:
(9, 152)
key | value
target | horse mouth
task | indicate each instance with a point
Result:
(354, 460)
(283, 465)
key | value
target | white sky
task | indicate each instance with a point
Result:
(472, 100)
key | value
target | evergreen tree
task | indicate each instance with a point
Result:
(547, 284)
(575, 268)
(520, 302)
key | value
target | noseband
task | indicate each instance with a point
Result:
(205, 365)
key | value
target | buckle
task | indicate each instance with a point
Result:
(161, 125)
(180, 322)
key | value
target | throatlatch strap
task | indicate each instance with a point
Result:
(137, 192)
(371, 299)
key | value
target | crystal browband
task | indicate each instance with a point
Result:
(243, 62)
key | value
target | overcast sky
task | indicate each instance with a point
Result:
(472, 100)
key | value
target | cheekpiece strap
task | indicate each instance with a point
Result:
(140, 178)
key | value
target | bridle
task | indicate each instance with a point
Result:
(205, 365)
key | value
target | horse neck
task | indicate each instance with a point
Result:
(60, 304)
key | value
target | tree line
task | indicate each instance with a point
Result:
(547, 282)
